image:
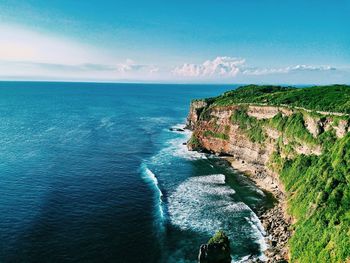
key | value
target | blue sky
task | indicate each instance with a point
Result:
(251, 41)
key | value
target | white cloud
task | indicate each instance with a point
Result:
(285, 70)
(219, 67)
(131, 66)
(311, 68)
(30, 54)
(229, 67)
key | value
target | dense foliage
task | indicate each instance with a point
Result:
(218, 135)
(292, 126)
(219, 238)
(319, 199)
(250, 125)
(334, 98)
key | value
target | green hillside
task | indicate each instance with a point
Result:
(334, 98)
(319, 198)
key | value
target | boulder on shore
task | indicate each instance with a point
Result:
(217, 250)
(176, 129)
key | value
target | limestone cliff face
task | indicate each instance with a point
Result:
(195, 110)
(216, 130)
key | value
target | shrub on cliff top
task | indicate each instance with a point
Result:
(219, 238)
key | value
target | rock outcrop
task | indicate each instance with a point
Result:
(216, 251)
(196, 109)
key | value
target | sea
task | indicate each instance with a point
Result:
(91, 172)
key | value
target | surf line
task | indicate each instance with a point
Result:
(149, 177)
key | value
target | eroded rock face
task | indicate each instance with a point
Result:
(313, 125)
(236, 143)
(195, 110)
(341, 129)
(267, 112)
(308, 150)
(216, 251)
(262, 112)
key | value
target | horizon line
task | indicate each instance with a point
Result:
(170, 83)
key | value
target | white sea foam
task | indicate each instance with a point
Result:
(51, 129)
(259, 191)
(180, 126)
(242, 260)
(200, 204)
(205, 204)
(176, 148)
(156, 120)
(150, 178)
(105, 123)
(259, 233)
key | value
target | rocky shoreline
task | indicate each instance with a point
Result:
(275, 221)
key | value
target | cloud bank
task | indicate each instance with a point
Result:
(286, 70)
(229, 67)
(28, 54)
(218, 67)
(131, 66)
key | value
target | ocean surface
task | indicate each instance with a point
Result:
(91, 173)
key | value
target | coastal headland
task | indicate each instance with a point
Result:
(294, 143)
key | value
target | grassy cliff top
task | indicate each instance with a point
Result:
(333, 98)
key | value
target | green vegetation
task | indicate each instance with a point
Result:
(221, 136)
(319, 199)
(219, 238)
(250, 125)
(318, 186)
(334, 98)
(293, 127)
(194, 142)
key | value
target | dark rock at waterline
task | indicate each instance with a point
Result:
(184, 143)
(216, 251)
(177, 129)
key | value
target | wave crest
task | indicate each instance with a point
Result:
(149, 177)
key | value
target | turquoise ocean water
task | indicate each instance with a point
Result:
(91, 173)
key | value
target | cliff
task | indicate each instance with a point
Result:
(290, 151)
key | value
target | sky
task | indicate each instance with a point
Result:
(182, 41)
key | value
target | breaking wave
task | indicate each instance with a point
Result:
(205, 204)
(201, 204)
(151, 179)
(176, 147)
